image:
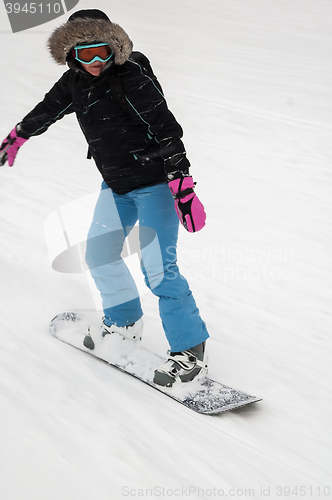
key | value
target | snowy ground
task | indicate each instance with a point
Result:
(250, 81)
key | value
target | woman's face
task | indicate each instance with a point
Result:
(95, 68)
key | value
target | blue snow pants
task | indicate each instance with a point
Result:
(155, 240)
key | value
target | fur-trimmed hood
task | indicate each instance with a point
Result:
(85, 30)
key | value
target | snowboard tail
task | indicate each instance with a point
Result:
(201, 395)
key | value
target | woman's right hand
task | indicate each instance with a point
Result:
(10, 147)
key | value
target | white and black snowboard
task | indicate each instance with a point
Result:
(203, 396)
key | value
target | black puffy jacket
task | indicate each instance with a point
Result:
(133, 137)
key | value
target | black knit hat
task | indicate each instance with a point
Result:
(89, 13)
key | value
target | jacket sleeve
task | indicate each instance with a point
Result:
(145, 96)
(56, 103)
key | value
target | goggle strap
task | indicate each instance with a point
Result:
(91, 46)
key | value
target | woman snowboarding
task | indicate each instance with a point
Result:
(136, 144)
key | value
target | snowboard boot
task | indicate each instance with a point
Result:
(129, 332)
(182, 366)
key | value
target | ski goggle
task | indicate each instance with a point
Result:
(87, 54)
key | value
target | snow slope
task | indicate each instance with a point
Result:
(250, 81)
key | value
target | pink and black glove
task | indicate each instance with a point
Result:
(187, 205)
(10, 147)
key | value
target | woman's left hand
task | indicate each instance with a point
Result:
(187, 205)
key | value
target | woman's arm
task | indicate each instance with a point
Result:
(56, 104)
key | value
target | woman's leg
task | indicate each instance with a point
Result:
(183, 325)
(113, 218)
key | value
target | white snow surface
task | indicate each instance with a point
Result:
(250, 82)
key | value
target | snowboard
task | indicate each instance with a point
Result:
(202, 396)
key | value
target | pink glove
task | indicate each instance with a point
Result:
(187, 205)
(10, 147)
